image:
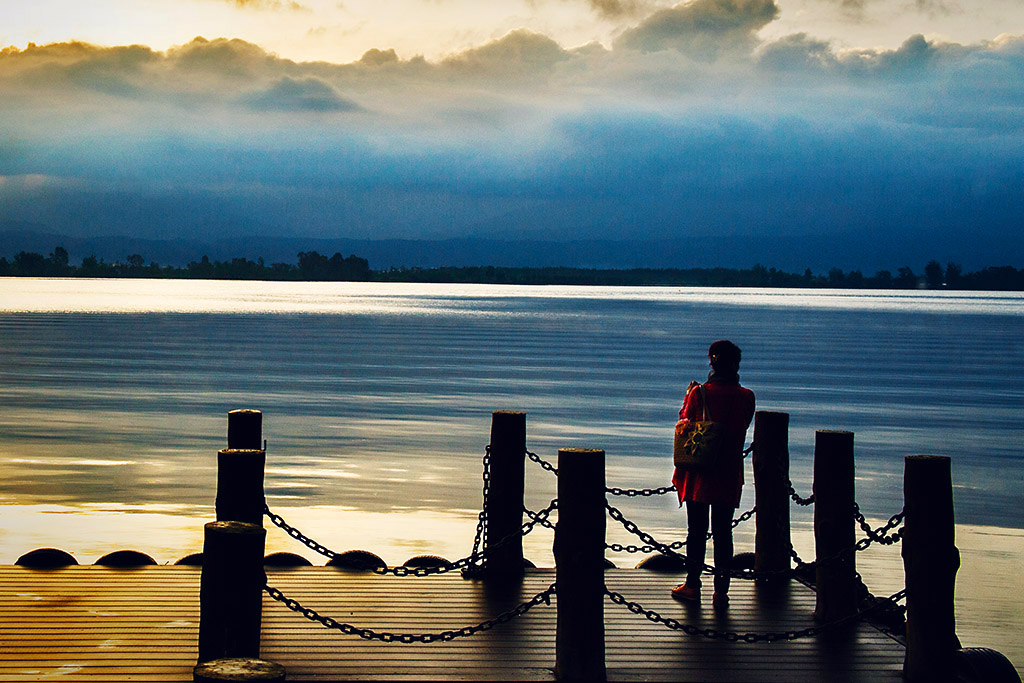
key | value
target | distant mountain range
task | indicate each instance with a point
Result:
(790, 253)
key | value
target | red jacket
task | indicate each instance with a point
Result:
(732, 405)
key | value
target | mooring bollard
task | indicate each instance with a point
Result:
(240, 469)
(834, 532)
(772, 541)
(579, 566)
(231, 590)
(504, 505)
(240, 496)
(930, 563)
(245, 429)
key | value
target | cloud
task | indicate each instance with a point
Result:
(516, 52)
(232, 58)
(701, 28)
(798, 52)
(791, 135)
(619, 8)
(375, 57)
(299, 95)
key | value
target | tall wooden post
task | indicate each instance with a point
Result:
(231, 590)
(772, 540)
(240, 469)
(834, 531)
(930, 563)
(240, 495)
(579, 565)
(504, 504)
(245, 429)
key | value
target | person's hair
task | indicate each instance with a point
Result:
(723, 353)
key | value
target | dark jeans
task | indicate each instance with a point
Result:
(697, 543)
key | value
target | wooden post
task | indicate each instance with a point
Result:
(504, 505)
(930, 563)
(834, 530)
(245, 429)
(231, 590)
(579, 566)
(240, 485)
(772, 540)
(240, 469)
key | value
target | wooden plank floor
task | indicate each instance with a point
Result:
(99, 624)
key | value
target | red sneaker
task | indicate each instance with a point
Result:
(686, 593)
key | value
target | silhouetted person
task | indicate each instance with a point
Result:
(717, 490)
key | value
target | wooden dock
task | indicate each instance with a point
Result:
(91, 623)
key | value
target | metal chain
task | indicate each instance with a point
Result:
(467, 563)
(872, 536)
(464, 563)
(536, 518)
(670, 550)
(632, 528)
(376, 569)
(879, 535)
(406, 638)
(278, 521)
(480, 539)
(675, 545)
(542, 462)
(809, 500)
(619, 548)
(733, 636)
(742, 518)
(633, 493)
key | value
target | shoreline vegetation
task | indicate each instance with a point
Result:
(314, 267)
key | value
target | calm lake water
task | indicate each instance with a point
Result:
(377, 402)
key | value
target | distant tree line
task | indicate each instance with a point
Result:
(312, 266)
(933, 277)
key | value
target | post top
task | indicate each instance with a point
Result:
(240, 451)
(508, 412)
(239, 669)
(245, 411)
(233, 527)
(580, 451)
(926, 458)
(833, 431)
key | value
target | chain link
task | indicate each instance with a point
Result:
(466, 564)
(675, 545)
(669, 550)
(809, 500)
(879, 535)
(480, 539)
(536, 517)
(542, 462)
(619, 548)
(279, 522)
(407, 638)
(633, 493)
(733, 636)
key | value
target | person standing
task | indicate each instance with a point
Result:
(714, 493)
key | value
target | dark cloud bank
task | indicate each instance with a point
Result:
(689, 142)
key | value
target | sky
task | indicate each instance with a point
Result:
(892, 129)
